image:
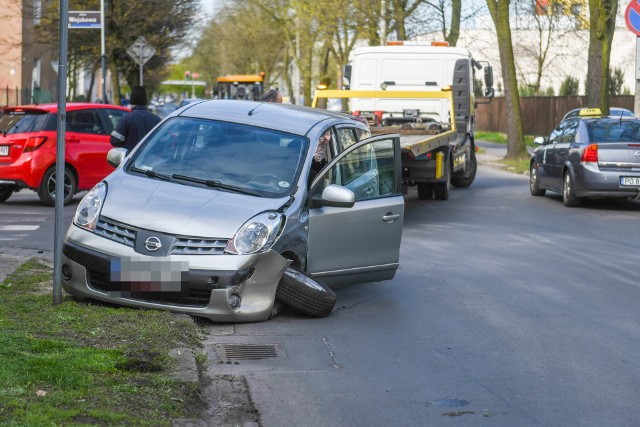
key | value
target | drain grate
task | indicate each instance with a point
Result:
(235, 352)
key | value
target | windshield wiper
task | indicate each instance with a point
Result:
(151, 173)
(212, 183)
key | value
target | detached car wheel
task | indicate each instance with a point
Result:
(305, 295)
(47, 189)
(534, 185)
(569, 197)
(5, 192)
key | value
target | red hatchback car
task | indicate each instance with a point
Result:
(28, 148)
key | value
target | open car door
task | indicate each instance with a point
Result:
(358, 241)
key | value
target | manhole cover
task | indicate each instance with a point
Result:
(236, 352)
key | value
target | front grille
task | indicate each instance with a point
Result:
(196, 246)
(189, 296)
(115, 231)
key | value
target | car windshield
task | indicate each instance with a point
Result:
(222, 155)
(22, 121)
(613, 130)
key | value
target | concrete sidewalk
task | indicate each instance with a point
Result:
(12, 258)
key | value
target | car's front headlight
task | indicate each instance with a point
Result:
(256, 235)
(90, 206)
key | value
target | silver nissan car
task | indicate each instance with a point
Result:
(205, 215)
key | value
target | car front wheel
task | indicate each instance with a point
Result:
(47, 189)
(534, 185)
(569, 197)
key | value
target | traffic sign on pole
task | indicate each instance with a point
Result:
(141, 52)
(632, 17)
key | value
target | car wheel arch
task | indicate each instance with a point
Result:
(67, 165)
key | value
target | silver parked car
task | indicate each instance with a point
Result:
(208, 211)
(588, 156)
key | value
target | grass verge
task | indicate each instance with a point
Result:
(500, 138)
(86, 363)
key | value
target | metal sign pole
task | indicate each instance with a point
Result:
(61, 125)
(103, 57)
(636, 103)
(141, 56)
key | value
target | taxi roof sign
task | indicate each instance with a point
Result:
(590, 112)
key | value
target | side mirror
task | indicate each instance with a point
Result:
(336, 196)
(488, 76)
(489, 92)
(115, 156)
(540, 140)
(346, 74)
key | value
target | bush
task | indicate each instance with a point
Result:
(616, 80)
(569, 86)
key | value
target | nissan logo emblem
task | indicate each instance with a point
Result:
(637, 154)
(152, 244)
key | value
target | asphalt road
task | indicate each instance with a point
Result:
(507, 310)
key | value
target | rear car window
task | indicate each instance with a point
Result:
(22, 121)
(614, 130)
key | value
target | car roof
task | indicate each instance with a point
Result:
(576, 112)
(283, 117)
(53, 108)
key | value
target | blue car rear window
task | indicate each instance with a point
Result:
(22, 121)
(613, 130)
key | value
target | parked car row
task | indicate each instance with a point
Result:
(589, 155)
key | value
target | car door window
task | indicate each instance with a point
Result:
(114, 116)
(557, 133)
(369, 171)
(569, 134)
(345, 138)
(85, 121)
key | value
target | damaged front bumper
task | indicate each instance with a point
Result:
(223, 288)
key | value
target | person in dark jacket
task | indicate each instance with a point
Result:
(132, 127)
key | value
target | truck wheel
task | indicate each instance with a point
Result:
(305, 295)
(5, 192)
(441, 190)
(462, 181)
(47, 189)
(425, 190)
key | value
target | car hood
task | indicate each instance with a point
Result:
(180, 209)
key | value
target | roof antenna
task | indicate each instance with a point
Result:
(256, 107)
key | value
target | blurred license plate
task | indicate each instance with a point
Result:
(4, 150)
(630, 181)
(153, 275)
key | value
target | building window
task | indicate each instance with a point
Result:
(37, 11)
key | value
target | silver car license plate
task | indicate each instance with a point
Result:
(630, 181)
(145, 274)
(4, 150)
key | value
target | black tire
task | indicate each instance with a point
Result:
(569, 197)
(534, 184)
(466, 181)
(47, 188)
(5, 192)
(305, 295)
(425, 190)
(441, 189)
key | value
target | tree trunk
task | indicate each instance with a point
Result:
(602, 19)
(115, 84)
(456, 12)
(515, 135)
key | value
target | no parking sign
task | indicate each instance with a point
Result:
(632, 17)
